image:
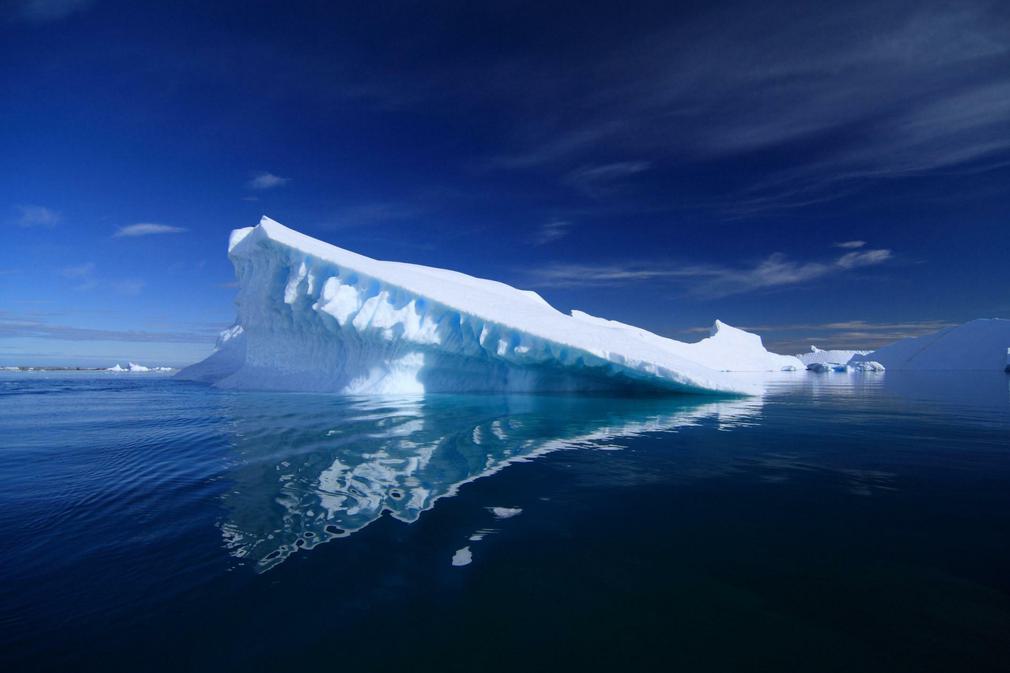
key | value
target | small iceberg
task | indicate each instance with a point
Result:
(824, 367)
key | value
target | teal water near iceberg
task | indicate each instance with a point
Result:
(839, 522)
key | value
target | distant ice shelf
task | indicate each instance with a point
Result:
(312, 316)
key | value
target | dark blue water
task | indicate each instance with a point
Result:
(838, 523)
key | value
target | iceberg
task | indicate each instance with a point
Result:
(979, 345)
(824, 367)
(312, 316)
(133, 367)
(828, 357)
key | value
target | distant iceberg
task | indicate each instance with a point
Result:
(827, 357)
(312, 316)
(134, 367)
(976, 345)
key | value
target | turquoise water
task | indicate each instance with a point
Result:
(838, 523)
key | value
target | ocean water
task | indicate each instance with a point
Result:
(854, 522)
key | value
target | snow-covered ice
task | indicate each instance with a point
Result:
(976, 345)
(312, 316)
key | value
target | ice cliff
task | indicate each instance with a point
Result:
(312, 316)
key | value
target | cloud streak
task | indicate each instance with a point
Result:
(146, 229)
(597, 180)
(551, 231)
(709, 281)
(870, 92)
(264, 180)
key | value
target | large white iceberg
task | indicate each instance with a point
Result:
(312, 316)
(976, 345)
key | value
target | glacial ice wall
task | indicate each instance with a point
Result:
(312, 316)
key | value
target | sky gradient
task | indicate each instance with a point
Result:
(831, 175)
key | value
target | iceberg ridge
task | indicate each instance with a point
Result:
(312, 316)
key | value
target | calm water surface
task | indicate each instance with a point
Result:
(838, 523)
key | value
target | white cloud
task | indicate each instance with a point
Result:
(37, 216)
(266, 180)
(852, 260)
(850, 245)
(147, 229)
(709, 281)
(50, 10)
(551, 231)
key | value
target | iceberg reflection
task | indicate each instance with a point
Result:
(312, 468)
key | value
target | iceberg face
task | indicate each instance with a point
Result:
(312, 316)
(979, 345)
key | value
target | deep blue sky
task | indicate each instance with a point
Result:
(834, 174)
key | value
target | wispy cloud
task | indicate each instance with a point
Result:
(146, 229)
(850, 245)
(709, 281)
(882, 92)
(599, 179)
(85, 270)
(40, 11)
(264, 180)
(854, 260)
(83, 276)
(551, 231)
(37, 216)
